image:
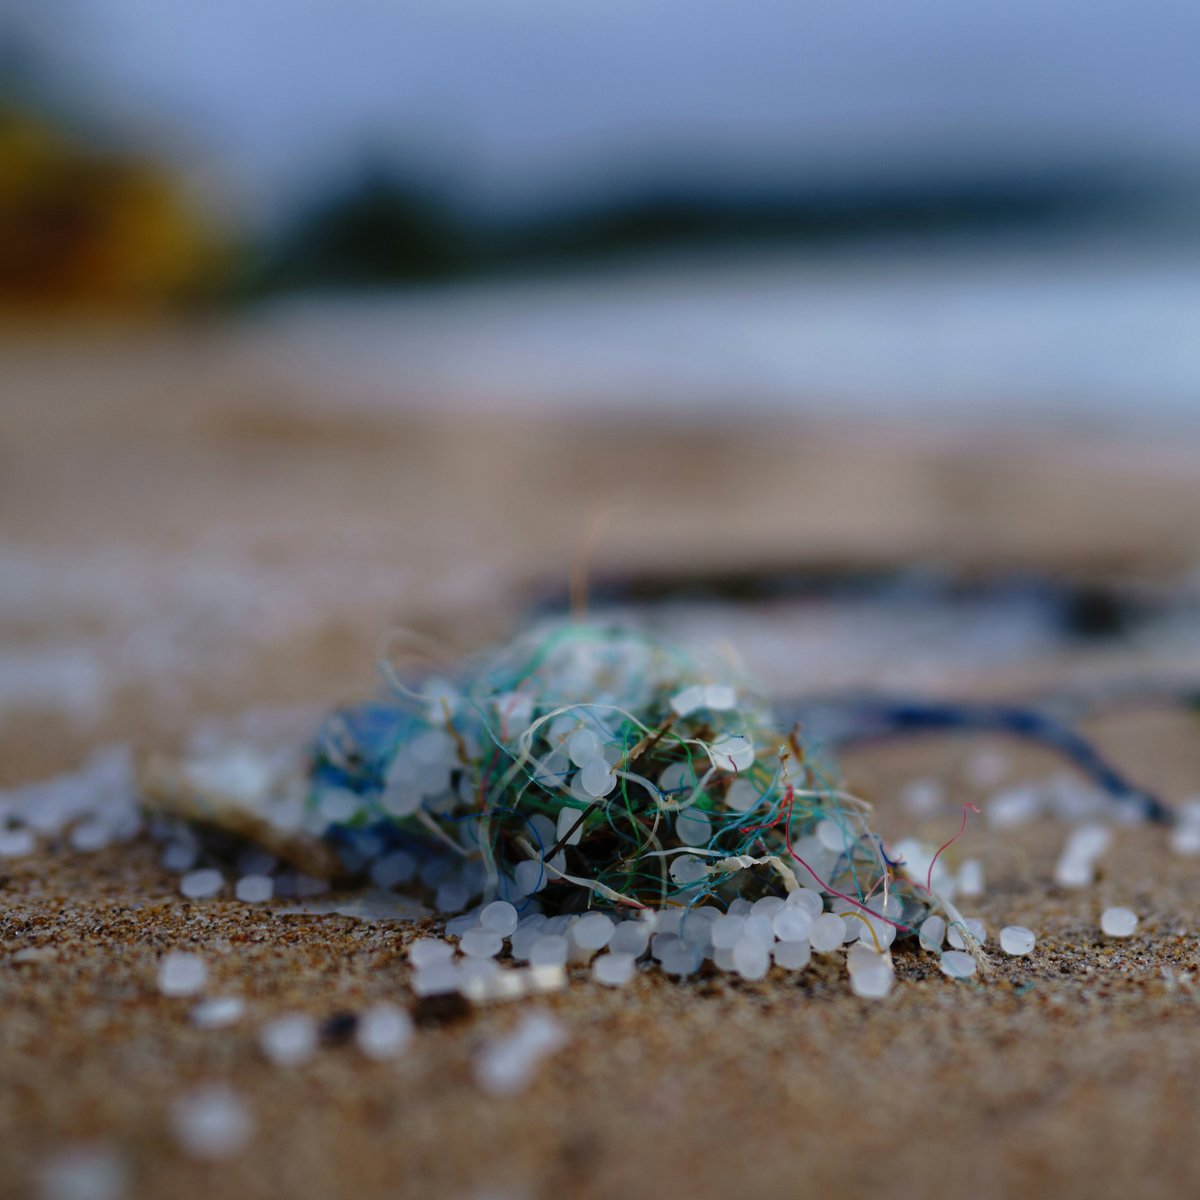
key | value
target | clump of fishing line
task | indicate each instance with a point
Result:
(591, 765)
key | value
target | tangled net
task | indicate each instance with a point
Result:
(590, 765)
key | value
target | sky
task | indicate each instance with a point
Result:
(510, 102)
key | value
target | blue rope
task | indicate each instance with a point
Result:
(867, 717)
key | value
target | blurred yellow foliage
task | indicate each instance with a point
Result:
(83, 230)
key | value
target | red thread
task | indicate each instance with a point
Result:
(946, 845)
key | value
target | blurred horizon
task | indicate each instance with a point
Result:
(523, 112)
(935, 209)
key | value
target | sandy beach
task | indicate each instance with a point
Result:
(182, 540)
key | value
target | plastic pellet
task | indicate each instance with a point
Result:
(218, 1013)
(742, 796)
(613, 969)
(792, 923)
(808, 899)
(383, 1031)
(727, 931)
(182, 974)
(827, 933)
(751, 959)
(970, 878)
(200, 885)
(499, 917)
(436, 979)
(593, 931)
(508, 1065)
(792, 956)
(481, 943)
(1074, 872)
(933, 933)
(211, 1123)
(583, 746)
(976, 928)
(871, 975)
(1118, 922)
(693, 828)
(629, 937)
(597, 778)
(1016, 939)
(289, 1041)
(732, 753)
(16, 843)
(425, 951)
(958, 965)
(84, 1173)
(550, 950)
(255, 889)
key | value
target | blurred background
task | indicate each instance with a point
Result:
(322, 318)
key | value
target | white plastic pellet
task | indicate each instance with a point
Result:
(499, 917)
(751, 958)
(1074, 872)
(727, 931)
(759, 928)
(452, 897)
(827, 933)
(833, 836)
(792, 923)
(614, 969)
(383, 1031)
(481, 943)
(200, 885)
(289, 1041)
(568, 819)
(592, 931)
(1016, 939)
(742, 796)
(1185, 841)
(182, 974)
(529, 876)
(922, 797)
(630, 937)
(550, 950)
(218, 1013)
(872, 976)
(426, 951)
(16, 843)
(1118, 922)
(970, 878)
(688, 701)
(1013, 807)
(1088, 841)
(596, 777)
(958, 965)
(792, 956)
(976, 928)
(732, 753)
(808, 899)
(255, 889)
(509, 1064)
(84, 1173)
(693, 828)
(211, 1123)
(687, 868)
(583, 746)
(933, 933)
(437, 979)
(681, 958)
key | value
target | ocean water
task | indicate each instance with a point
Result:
(1083, 335)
